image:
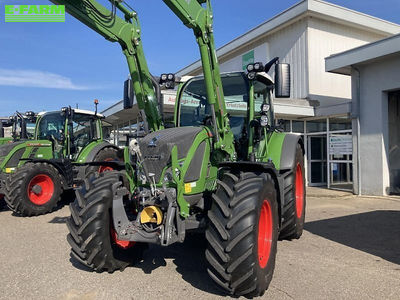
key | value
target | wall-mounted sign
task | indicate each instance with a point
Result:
(247, 58)
(340, 144)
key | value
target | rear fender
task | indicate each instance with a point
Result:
(289, 151)
(88, 154)
(282, 149)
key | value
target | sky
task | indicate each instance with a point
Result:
(45, 66)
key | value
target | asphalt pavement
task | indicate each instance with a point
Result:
(350, 249)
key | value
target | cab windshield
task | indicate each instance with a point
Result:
(194, 109)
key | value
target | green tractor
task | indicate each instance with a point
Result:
(67, 144)
(22, 127)
(224, 169)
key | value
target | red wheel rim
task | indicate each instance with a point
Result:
(40, 189)
(299, 191)
(121, 244)
(265, 230)
(106, 168)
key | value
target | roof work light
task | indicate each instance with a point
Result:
(167, 80)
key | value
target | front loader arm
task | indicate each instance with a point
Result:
(127, 33)
(200, 19)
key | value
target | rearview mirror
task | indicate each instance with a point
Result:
(282, 81)
(129, 94)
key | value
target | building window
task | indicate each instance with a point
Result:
(298, 126)
(285, 125)
(341, 123)
(316, 126)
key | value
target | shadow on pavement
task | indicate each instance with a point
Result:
(376, 232)
(188, 258)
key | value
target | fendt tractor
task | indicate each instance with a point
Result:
(224, 169)
(34, 173)
(21, 126)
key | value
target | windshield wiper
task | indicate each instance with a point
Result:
(196, 95)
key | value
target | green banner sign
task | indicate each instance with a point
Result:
(247, 58)
(34, 13)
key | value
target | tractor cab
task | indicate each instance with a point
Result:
(17, 127)
(69, 130)
(193, 108)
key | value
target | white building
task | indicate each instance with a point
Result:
(375, 73)
(320, 105)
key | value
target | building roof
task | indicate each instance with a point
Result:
(316, 8)
(341, 63)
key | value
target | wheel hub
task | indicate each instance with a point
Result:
(40, 189)
(37, 189)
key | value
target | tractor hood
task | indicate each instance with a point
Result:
(156, 147)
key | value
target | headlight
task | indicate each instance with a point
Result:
(265, 108)
(258, 67)
(171, 77)
(264, 121)
(251, 75)
(164, 77)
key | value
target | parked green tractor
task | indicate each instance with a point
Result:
(224, 168)
(67, 144)
(21, 125)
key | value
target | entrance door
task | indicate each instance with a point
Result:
(341, 160)
(394, 142)
(317, 160)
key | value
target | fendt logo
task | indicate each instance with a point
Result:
(34, 13)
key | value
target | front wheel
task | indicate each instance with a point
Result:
(242, 233)
(34, 189)
(92, 237)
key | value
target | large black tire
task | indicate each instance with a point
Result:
(90, 226)
(34, 189)
(235, 260)
(294, 209)
(106, 154)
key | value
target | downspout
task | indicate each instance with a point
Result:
(358, 94)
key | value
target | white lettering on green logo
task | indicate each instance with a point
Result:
(34, 13)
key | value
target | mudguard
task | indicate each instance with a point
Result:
(89, 154)
(289, 151)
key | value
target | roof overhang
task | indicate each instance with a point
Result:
(302, 9)
(341, 63)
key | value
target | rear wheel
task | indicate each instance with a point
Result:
(242, 233)
(295, 200)
(34, 189)
(92, 237)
